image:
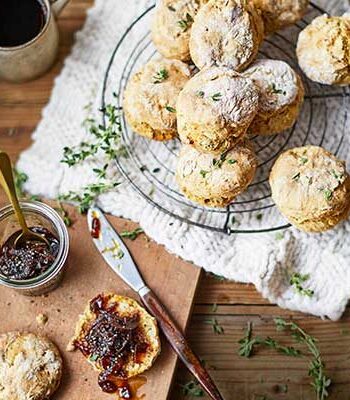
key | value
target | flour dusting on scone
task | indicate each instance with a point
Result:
(311, 187)
(278, 14)
(281, 96)
(150, 98)
(226, 33)
(30, 367)
(215, 181)
(171, 27)
(118, 337)
(323, 50)
(215, 109)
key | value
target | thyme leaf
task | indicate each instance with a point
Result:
(297, 281)
(132, 235)
(161, 76)
(217, 328)
(170, 109)
(186, 23)
(216, 96)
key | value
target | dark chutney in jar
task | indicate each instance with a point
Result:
(30, 260)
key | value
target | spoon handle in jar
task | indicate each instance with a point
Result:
(7, 182)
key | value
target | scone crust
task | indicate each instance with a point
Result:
(171, 27)
(215, 181)
(311, 188)
(150, 99)
(215, 109)
(323, 50)
(281, 96)
(30, 367)
(125, 307)
(278, 14)
(226, 33)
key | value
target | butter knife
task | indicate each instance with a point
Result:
(117, 256)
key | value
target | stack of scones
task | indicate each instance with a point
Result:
(209, 90)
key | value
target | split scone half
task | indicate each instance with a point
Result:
(278, 14)
(118, 338)
(171, 27)
(226, 33)
(30, 367)
(323, 50)
(281, 96)
(215, 109)
(150, 98)
(215, 181)
(311, 188)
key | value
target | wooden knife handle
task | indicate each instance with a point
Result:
(180, 345)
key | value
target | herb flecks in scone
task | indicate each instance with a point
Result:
(215, 181)
(281, 96)
(311, 187)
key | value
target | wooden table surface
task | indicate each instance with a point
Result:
(266, 375)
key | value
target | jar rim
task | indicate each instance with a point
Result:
(52, 216)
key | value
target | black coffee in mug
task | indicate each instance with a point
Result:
(21, 21)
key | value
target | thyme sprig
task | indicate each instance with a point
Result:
(132, 235)
(161, 76)
(105, 139)
(20, 179)
(217, 328)
(321, 381)
(297, 281)
(192, 388)
(185, 24)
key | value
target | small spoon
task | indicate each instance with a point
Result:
(7, 182)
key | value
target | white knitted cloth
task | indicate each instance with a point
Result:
(260, 258)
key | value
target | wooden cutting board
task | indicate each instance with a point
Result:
(174, 282)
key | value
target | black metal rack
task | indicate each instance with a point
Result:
(149, 167)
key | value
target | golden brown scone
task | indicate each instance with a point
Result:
(215, 181)
(281, 96)
(116, 334)
(311, 188)
(171, 27)
(278, 14)
(150, 98)
(323, 50)
(226, 33)
(30, 367)
(215, 109)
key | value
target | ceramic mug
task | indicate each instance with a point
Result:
(31, 59)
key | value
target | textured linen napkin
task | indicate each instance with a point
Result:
(259, 259)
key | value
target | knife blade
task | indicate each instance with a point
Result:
(117, 256)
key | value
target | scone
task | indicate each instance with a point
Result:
(150, 98)
(226, 33)
(278, 14)
(215, 181)
(215, 109)
(171, 27)
(30, 367)
(118, 337)
(323, 50)
(311, 188)
(281, 96)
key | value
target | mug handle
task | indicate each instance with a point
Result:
(58, 6)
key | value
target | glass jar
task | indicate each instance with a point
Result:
(36, 214)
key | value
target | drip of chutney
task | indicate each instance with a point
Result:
(113, 341)
(29, 260)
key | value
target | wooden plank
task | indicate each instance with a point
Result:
(85, 277)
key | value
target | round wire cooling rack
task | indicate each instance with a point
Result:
(149, 166)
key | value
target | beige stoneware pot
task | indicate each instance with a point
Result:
(32, 59)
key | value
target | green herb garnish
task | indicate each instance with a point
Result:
(203, 173)
(297, 281)
(170, 109)
(273, 89)
(218, 162)
(20, 179)
(171, 8)
(328, 194)
(161, 76)
(200, 94)
(132, 235)
(316, 367)
(184, 24)
(216, 96)
(64, 214)
(232, 161)
(192, 388)
(217, 328)
(303, 160)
